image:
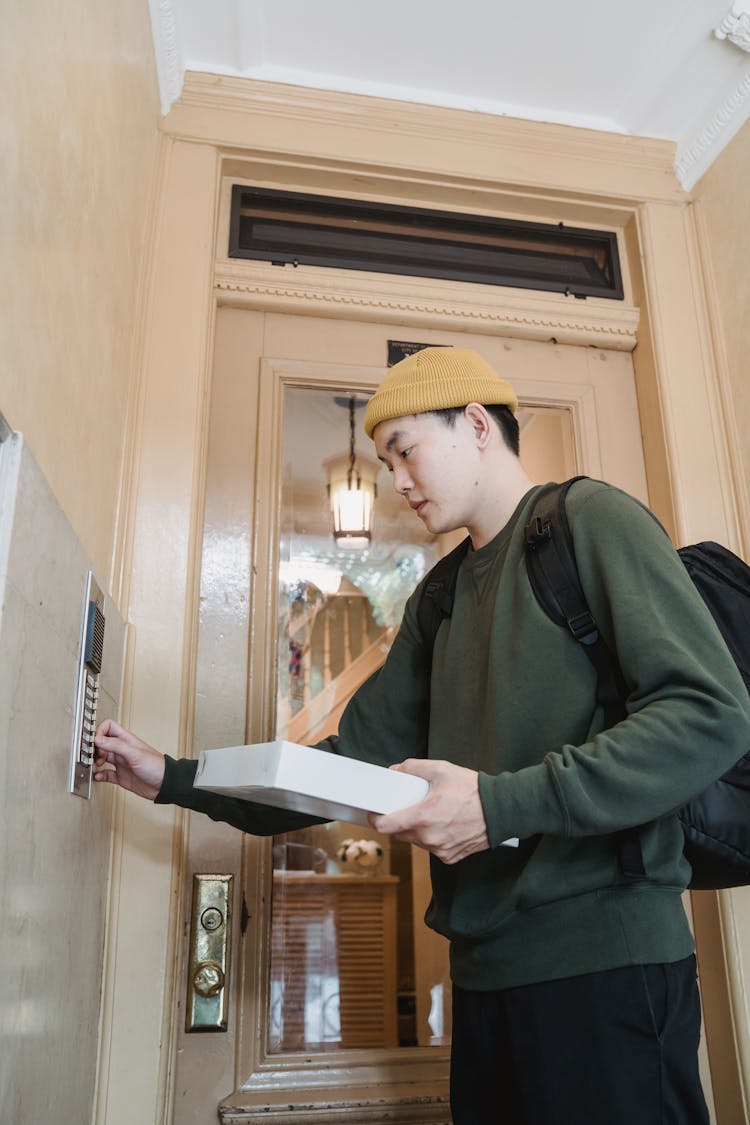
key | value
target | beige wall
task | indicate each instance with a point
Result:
(80, 115)
(79, 140)
(723, 203)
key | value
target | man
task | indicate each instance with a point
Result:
(575, 997)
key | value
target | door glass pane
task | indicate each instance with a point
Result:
(352, 963)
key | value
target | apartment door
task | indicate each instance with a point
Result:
(337, 994)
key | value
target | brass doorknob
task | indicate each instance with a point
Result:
(208, 979)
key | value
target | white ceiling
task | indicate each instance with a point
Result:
(651, 68)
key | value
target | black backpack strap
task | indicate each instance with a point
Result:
(553, 574)
(436, 601)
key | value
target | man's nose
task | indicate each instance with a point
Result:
(401, 480)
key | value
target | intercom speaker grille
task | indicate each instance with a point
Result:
(95, 638)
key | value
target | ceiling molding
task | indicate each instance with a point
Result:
(169, 63)
(736, 25)
(237, 112)
(416, 301)
(686, 94)
(418, 119)
(697, 152)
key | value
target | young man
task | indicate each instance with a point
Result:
(575, 997)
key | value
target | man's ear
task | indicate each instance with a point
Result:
(480, 421)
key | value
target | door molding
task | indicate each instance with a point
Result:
(270, 1083)
(221, 128)
(464, 306)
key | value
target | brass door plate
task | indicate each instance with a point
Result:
(210, 949)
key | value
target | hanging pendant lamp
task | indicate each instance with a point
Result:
(351, 489)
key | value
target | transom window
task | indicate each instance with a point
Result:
(289, 228)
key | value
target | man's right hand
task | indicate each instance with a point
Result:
(133, 764)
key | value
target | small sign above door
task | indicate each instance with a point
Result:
(400, 349)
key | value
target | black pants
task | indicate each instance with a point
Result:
(612, 1048)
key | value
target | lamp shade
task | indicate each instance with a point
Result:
(351, 492)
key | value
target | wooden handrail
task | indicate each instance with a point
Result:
(320, 715)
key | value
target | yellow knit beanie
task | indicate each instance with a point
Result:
(435, 379)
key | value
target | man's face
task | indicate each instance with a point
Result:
(434, 466)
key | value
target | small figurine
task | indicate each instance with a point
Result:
(363, 856)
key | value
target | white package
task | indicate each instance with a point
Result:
(306, 780)
(290, 776)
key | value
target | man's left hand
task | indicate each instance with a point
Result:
(449, 823)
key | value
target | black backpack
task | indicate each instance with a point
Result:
(716, 823)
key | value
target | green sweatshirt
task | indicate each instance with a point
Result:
(512, 696)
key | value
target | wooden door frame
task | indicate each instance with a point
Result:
(232, 129)
(240, 704)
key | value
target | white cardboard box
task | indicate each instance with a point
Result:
(307, 780)
(311, 781)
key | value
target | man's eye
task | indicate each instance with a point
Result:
(405, 453)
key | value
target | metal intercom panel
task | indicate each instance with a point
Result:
(89, 669)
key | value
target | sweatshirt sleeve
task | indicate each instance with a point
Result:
(248, 816)
(384, 722)
(687, 709)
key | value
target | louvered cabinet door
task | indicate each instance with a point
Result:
(333, 961)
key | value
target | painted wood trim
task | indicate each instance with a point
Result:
(370, 1108)
(167, 472)
(723, 1039)
(684, 374)
(471, 308)
(318, 123)
(738, 490)
(734, 914)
